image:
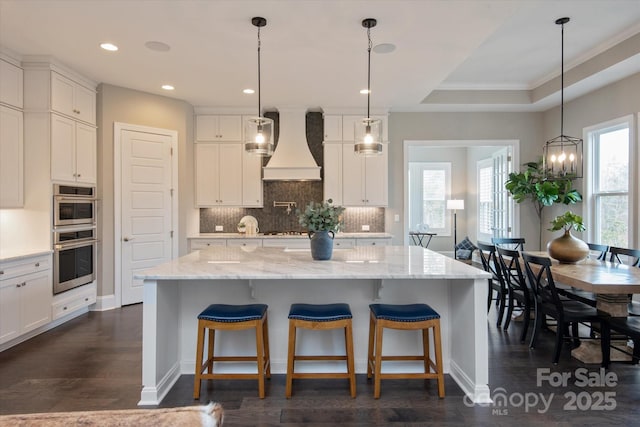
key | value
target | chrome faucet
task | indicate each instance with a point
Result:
(288, 205)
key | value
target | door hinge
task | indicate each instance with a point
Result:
(171, 191)
(171, 149)
(171, 232)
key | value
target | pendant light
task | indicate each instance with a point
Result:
(258, 131)
(562, 156)
(368, 131)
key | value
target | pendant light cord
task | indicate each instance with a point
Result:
(259, 91)
(562, 82)
(368, 71)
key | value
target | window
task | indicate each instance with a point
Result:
(485, 198)
(429, 188)
(609, 181)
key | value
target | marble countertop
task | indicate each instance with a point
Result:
(363, 235)
(363, 262)
(18, 255)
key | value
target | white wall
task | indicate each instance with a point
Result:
(117, 104)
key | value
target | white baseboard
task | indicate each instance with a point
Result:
(105, 302)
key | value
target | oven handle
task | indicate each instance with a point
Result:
(74, 245)
(76, 198)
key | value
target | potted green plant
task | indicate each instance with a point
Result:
(322, 220)
(532, 185)
(567, 248)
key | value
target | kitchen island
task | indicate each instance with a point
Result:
(177, 291)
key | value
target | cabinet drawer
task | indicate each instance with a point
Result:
(302, 243)
(245, 242)
(24, 266)
(344, 243)
(75, 302)
(374, 242)
(197, 244)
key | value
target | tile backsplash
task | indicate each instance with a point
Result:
(272, 218)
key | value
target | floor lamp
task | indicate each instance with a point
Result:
(455, 204)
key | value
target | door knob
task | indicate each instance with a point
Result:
(126, 239)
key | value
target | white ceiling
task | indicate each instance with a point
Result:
(450, 55)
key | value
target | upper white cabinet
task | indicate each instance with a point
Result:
(252, 194)
(11, 84)
(364, 178)
(11, 158)
(226, 128)
(332, 128)
(72, 99)
(332, 181)
(73, 151)
(218, 174)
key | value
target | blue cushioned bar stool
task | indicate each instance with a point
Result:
(405, 317)
(232, 317)
(320, 317)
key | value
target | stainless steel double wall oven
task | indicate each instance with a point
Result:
(74, 236)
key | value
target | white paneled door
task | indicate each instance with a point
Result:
(146, 207)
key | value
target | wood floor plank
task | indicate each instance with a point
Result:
(94, 363)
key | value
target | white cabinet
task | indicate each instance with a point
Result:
(364, 178)
(293, 243)
(197, 244)
(252, 189)
(219, 128)
(332, 128)
(11, 77)
(72, 99)
(11, 158)
(73, 151)
(218, 174)
(73, 300)
(382, 241)
(332, 180)
(25, 296)
(247, 243)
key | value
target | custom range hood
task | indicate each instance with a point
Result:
(292, 160)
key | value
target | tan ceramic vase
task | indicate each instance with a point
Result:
(567, 249)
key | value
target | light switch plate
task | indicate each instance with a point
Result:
(365, 228)
(219, 228)
(396, 217)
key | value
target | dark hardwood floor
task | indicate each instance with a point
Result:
(94, 363)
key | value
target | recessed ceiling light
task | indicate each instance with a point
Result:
(157, 46)
(168, 87)
(364, 91)
(248, 91)
(109, 46)
(384, 48)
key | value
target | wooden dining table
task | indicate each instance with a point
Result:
(612, 283)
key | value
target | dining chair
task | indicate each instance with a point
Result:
(597, 251)
(632, 258)
(513, 243)
(549, 303)
(628, 326)
(519, 291)
(491, 265)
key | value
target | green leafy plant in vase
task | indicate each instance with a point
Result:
(322, 220)
(567, 249)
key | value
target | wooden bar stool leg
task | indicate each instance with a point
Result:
(425, 350)
(370, 349)
(260, 358)
(438, 350)
(212, 340)
(199, 351)
(290, 358)
(378, 362)
(350, 363)
(265, 339)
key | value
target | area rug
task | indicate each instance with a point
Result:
(191, 416)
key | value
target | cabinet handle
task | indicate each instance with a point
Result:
(78, 175)
(373, 244)
(86, 299)
(1, 272)
(37, 264)
(18, 285)
(64, 308)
